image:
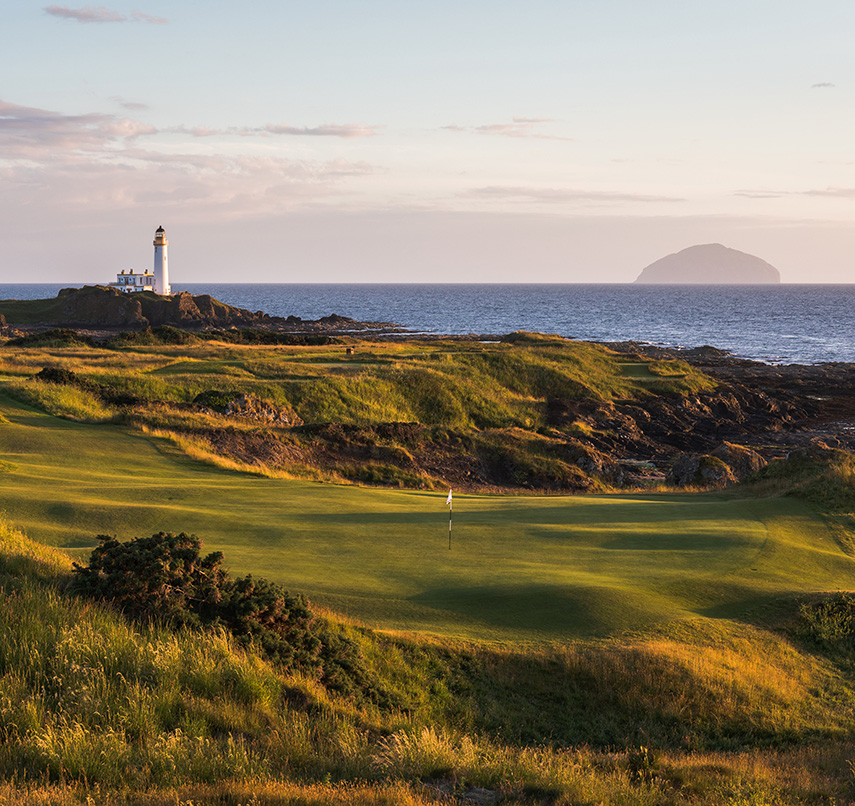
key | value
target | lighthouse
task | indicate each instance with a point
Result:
(161, 263)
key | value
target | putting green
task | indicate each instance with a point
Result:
(521, 568)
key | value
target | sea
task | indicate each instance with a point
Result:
(780, 324)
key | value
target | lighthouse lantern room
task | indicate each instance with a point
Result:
(129, 281)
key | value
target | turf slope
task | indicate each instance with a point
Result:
(521, 568)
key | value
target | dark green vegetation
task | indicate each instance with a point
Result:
(628, 648)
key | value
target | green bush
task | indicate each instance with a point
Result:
(831, 623)
(164, 579)
(52, 338)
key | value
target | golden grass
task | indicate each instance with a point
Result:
(96, 711)
(67, 402)
(199, 450)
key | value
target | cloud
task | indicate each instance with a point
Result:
(560, 195)
(759, 194)
(347, 131)
(88, 14)
(822, 84)
(133, 105)
(518, 127)
(29, 133)
(105, 162)
(834, 192)
(26, 132)
(829, 192)
(138, 16)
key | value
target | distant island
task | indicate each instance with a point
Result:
(711, 264)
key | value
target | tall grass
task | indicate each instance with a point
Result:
(68, 402)
(91, 706)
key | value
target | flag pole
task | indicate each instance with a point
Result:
(448, 501)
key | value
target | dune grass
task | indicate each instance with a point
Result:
(451, 384)
(61, 401)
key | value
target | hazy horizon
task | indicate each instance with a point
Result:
(453, 142)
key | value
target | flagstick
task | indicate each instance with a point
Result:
(448, 502)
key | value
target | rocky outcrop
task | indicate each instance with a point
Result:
(742, 461)
(710, 263)
(661, 427)
(699, 471)
(98, 306)
(105, 308)
(727, 464)
(239, 404)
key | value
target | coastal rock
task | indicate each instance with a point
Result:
(103, 308)
(741, 460)
(699, 471)
(710, 264)
(99, 306)
(247, 406)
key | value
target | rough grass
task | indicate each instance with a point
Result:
(94, 708)
(68, 402)
(454, 385)
(465, 387)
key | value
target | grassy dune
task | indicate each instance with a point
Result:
(521, 568)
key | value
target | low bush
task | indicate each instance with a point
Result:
(830, 623)
(52, 338)
(164, 579)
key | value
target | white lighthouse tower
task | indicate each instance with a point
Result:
(161, 263)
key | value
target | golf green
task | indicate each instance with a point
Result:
(520, 567)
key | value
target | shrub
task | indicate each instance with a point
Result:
(831, 623)
(164, 579)
(52, 338)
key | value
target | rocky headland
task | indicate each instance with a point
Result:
(710, 264)
(103, 309)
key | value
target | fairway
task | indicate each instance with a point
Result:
(521, 567)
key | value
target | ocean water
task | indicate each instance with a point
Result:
(773, 323)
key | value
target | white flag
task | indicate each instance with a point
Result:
(448, 500)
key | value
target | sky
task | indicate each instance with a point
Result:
(386, 141)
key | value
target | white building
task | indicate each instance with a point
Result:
(128, 281)
(161, 263)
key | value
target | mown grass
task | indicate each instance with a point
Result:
(521, 568)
